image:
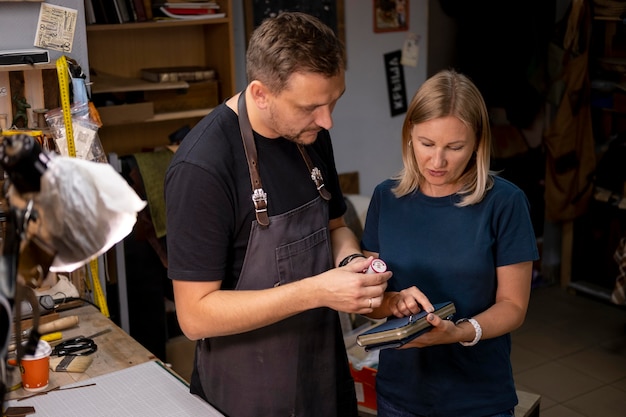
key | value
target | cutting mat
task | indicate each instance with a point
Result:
(144, 390)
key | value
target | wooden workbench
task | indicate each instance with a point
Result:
(116, 350)
(124, 378)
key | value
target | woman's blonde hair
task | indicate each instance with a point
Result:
(449, 93)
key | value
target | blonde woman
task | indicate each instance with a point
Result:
(450, 230)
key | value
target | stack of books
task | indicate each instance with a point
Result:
(117, 11)
(129, 11)
(201, 91)
(191, 9)
(174, 74)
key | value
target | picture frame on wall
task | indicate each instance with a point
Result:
(391, 15)
(331, 12)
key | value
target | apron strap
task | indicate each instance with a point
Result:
(259, 197)
(316, 174)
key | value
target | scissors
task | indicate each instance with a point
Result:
(78, 346)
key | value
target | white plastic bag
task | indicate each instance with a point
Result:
(84, 208)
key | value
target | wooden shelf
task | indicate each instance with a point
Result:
(36, 84)
(610, 18)
(9, 68)
(118, 53)
(107, 83)
(161, 117)
(160, 23)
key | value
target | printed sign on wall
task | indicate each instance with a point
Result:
(395, 82)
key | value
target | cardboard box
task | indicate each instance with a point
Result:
(125, 113)
(179, 352)
(199, 95)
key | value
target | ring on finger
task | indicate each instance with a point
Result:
(370, 303)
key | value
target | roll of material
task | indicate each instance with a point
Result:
(58, 325)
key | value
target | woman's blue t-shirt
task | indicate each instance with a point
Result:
(451, 254)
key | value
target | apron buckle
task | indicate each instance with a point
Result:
(259, 198)
(316, 176)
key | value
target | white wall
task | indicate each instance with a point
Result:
(18, 24)
(365, 136)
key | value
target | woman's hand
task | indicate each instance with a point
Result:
(442, 332)
(408, 301)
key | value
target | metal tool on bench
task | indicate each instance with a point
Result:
(78, 346)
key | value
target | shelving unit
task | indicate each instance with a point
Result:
(117, 54)
(608, 62)
(598, 232)
(37, 84)
(122, 50)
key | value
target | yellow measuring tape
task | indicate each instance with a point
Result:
(97, 288)
(63, 73)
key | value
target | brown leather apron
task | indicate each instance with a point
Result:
(298, 366)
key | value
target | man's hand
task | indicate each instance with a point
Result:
(350, 290)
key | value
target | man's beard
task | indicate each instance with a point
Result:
(291, 136)
(299, 137)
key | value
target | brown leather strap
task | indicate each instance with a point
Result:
(259, 197)
(316, 174)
